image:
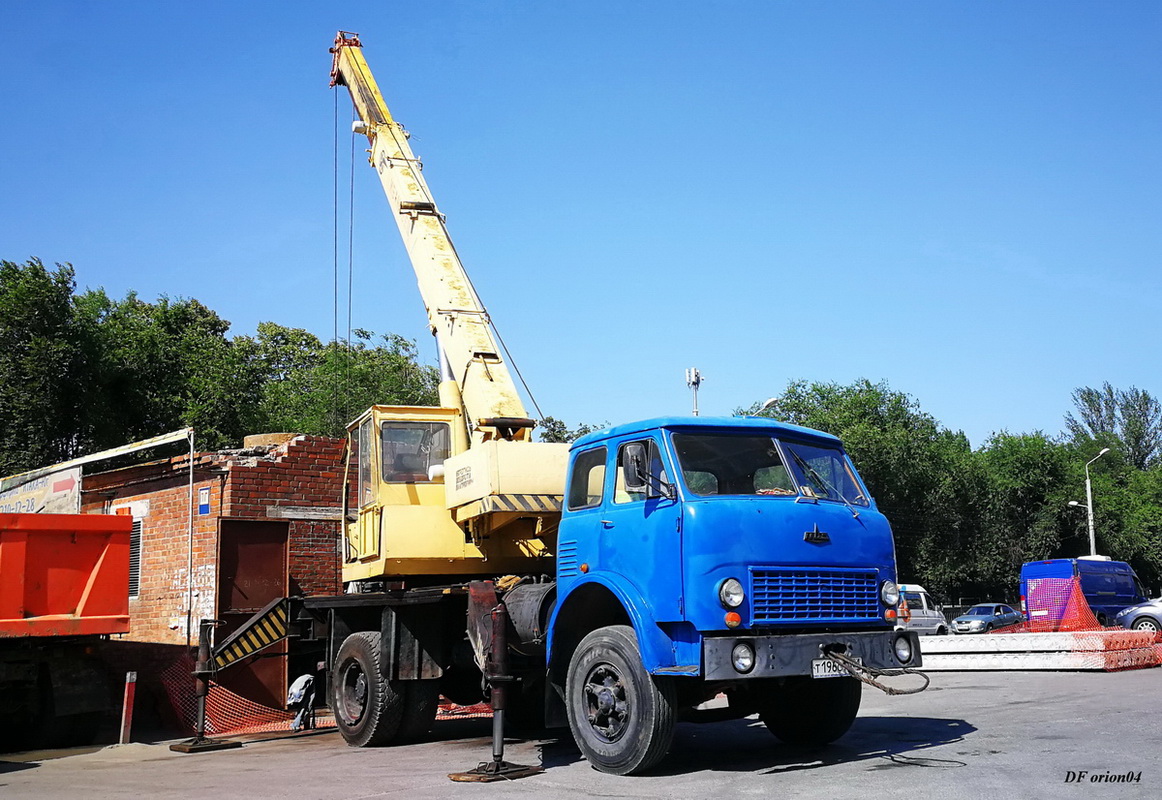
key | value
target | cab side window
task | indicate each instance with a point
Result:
(657, 475)
(586, 486)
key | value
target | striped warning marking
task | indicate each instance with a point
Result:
(535, 503)
(264, 629)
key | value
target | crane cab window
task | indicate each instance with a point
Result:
(410, 449)
(586, 486)
(363, 451)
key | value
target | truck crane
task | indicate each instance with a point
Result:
(610, 585)
(499, 507)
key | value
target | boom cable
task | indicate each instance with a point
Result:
(395, 128)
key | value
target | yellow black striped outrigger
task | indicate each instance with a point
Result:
(269, 626)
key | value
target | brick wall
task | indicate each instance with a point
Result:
(298, 482)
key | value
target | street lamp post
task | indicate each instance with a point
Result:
(1089, 501)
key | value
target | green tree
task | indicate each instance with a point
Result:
(1130, 419)
(1025, 516)
(311, 387)
(162, 366)
(41, 361)
(555, 430)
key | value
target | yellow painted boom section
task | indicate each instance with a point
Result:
(455, 314)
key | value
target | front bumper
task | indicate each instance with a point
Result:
(777, 656)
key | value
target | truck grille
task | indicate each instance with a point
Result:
(811, 595)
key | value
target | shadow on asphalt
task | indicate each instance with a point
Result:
(746, 746)
(14, 766)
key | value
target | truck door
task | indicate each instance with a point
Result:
(640, 532)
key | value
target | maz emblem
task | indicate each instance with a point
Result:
(816, 536)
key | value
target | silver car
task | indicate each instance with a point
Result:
(985, 617)
(1142, 617)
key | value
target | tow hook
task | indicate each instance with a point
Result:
(838, 652)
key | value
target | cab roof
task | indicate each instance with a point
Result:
(748, 424)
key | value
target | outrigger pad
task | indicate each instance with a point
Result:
(488, 771)
(204, 745)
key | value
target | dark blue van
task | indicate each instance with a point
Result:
(1108, 586)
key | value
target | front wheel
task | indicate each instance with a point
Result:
(621, 716)
(1145, 624)
(811, 711)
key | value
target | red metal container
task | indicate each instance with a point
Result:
(64, 574)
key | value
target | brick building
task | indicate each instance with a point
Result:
(265, 523)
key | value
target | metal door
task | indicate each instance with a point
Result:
(252, 571)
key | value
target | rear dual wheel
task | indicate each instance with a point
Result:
(371, 710)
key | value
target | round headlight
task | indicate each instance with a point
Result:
(903, 649)
(890, 593)
(730, 593)
(742, 656)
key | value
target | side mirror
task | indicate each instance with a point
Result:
(436, 473)
(634, 467)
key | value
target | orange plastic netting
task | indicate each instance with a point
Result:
(1056, 604)
(228, 713)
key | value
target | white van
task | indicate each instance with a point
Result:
(922, 616)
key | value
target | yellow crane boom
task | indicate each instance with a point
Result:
(498, 510)
(474, 375)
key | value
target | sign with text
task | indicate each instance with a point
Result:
(55, 493)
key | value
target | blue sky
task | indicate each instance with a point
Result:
(961, 199)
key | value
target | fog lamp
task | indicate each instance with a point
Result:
(903, 647)
(742, 656)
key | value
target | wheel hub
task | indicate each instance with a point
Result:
(607, 706)
(354, 698)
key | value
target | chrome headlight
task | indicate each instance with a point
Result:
(742, 657)
(730, 593)
(890, 593)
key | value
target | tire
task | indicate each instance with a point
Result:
(421, 701)
(988, 628)
(1145, 624)
(812, 712)
(942, 631)
(369, 709)
(621, 716)
(525, 716)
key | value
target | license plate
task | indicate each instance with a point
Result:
(826, 668)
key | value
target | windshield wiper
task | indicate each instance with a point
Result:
(810, 472)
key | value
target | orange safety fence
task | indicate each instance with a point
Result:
(228, 713)
(1057, 605)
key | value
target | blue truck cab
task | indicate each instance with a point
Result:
(1108, 586)
(705, 555)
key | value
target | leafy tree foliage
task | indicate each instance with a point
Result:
(40, 357)
(555, 430)
(1130, 418)
(85, 372)
(312, 387)
(965, 520)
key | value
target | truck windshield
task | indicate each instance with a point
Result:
(714, 464)
(824, 472)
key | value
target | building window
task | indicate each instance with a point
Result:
(135, 558)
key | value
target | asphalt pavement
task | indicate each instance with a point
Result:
(970, 735)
